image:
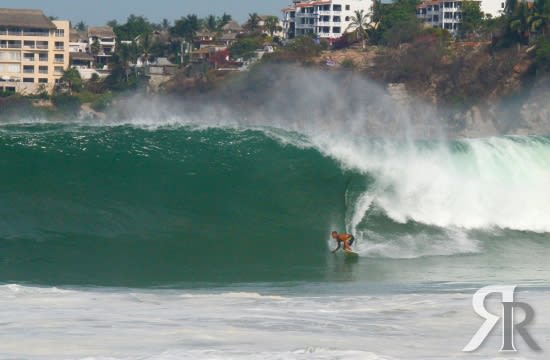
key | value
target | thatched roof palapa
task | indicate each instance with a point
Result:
(101, 32)
(25, 19)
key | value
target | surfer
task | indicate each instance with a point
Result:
(347, 239)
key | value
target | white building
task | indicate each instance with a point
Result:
(105, 37)
(448, 14)
(328, 19)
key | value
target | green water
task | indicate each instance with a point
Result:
(123, 206)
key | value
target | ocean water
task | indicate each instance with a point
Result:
(140, 240)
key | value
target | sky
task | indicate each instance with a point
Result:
(98, 12)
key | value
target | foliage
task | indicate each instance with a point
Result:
(472, 19)
(187, 27)
(253, 22)
(103, 102)
(348, 64)
(398, 19)
(271, 24)
(95, 47)
(81, 26)
(134, 26)
(67, 104)
(73, 80)
(245, 47)
(403, 32)
(361, 25)
(542, 55)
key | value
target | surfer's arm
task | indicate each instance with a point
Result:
(338, 247)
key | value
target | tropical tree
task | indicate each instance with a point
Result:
(360, 25)
(519, 23)
(187, 27)
(81, 26)
(539, 19)
(472, 18)
(211, 23)
(271, 24)
(95, 47)
(135, 26)
(73, 80)
(224, 19)
(253, 23)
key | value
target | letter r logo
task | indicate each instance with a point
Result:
(508, 325)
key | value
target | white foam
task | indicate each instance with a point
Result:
(172, 324)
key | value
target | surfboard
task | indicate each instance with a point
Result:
(350, 253)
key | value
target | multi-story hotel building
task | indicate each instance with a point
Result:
(328, 19)
(448, 14)
(34, 50)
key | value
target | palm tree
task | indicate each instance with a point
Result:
(519, 23)
(253, 23)
(211, 23)
(360, 24)
(271, 24)
(540, 16)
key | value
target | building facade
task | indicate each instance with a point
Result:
(448, 14)
(101, 42)
(328, 19)
(34, 51)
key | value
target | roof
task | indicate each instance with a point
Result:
(232, 26)
(206, 34)
(226, 37)
(162, 61)
(25, 18)
(78, 36)
(101, 31)
(82, 56)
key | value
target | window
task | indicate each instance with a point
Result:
(448, 15)
(502, 5)
(336, 30)
(58, 70)
(59, 58)
(28, 80)
(348, 7)
(28, 56)
(42, 45)
(10, 56)
(436, 18)
(42, 81)
(42, 57)
(13, 68)
(337, 7)
(59, 45)
(347, 18)
(29, 45)
(28, 69)
(436, 7)
(448, 26)
(59, 33)
(336, 19)
(43, 69)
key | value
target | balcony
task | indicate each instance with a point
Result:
(43, 71)
(28, 71)
(28, 58)
(36, 33)
(42, 47)
(59, 48)
(59, 61)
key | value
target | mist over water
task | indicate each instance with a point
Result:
(201, 226)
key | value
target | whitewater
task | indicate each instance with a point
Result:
(205, 234)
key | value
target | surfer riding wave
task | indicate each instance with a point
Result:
(346, 239)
